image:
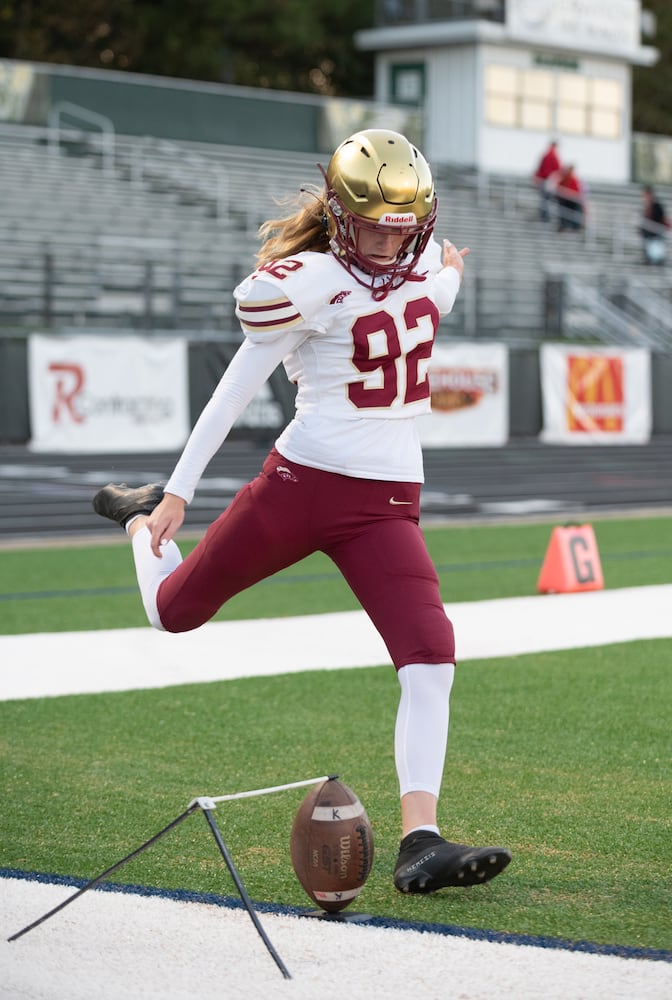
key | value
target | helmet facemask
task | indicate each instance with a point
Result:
(378, 182)
(381, 277)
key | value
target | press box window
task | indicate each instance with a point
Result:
(518, 98)
(543, 100)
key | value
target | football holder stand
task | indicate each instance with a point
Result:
(206, 805)
(572, 562)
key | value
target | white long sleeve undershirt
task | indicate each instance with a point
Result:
(249, 369)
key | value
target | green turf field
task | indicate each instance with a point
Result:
(563, 757)
(92, 587)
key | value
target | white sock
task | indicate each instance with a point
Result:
(151, 571)
(421, 730)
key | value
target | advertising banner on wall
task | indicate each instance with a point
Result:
(469, 384)
(107, 394)
(595, 395)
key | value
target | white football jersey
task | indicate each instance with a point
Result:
(360, 365)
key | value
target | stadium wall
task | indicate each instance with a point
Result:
(136, 104)
(140, 105)
(208, 359)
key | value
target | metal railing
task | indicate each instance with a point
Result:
(587, 314)
(68, 270)
(645, 306)
(102, 125)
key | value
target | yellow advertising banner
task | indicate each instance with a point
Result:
(595, 394)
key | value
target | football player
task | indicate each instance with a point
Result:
(348, 292)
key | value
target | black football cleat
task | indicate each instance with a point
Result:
(427, 862)
(121, 503)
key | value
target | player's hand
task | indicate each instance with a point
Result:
(452, 257)
(165, 520)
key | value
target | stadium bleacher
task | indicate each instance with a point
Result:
(155, 234)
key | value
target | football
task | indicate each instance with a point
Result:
(331, 845)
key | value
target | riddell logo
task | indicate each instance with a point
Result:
(399, 219)
(595, 393)
(69, 385)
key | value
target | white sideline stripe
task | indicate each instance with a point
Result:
(113, 946)
(63, 663)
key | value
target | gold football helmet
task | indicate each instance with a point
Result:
(376, 178)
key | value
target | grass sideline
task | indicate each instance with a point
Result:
(561, 756)
(93, 587)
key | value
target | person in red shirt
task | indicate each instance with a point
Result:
(569, 197)
(549, 165)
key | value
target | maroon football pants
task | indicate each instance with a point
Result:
(368, 528)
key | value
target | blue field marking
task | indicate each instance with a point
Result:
(447, 930)
(46, 595)
(281, 579)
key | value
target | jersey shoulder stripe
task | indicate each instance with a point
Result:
(272, 314)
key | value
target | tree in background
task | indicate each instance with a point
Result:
(297, 45)
(652, 86)
(286, 44)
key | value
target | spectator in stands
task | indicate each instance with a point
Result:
(569, 195)
(544, 178)
(653, 228)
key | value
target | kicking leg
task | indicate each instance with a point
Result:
(264, 529)
(129, 507)
(150, 571)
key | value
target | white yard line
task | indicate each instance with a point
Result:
(62, 663)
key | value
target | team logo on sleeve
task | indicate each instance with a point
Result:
(339, 298)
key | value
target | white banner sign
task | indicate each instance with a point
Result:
(469, 384)
(599, 25)
(595, 395)
(106, 394)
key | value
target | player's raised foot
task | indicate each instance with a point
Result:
(121, 503)
(427, 862)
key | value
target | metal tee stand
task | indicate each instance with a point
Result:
(206, 805)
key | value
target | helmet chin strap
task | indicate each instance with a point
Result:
(380, 283)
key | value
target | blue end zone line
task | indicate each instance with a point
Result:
(447, 930)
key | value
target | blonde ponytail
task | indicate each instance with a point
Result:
(304, 229)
